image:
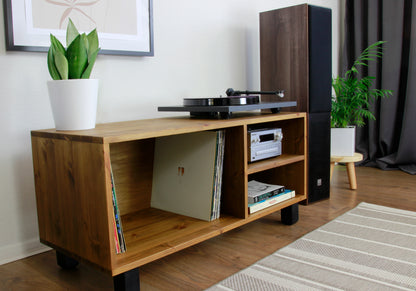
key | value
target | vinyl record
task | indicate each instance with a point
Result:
(221, 101)
(202, 102)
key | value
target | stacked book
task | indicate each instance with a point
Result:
(187, 174)
(262, 195)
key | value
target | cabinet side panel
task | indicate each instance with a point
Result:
(71, 198)
(132, 164)
(234, 190)
(42, 156)
(90, 181)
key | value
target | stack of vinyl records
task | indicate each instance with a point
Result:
(187, 174)
(117, 226)
(219, 162)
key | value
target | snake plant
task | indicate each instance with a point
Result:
(77, 61)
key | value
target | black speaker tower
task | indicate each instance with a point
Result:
(295, 55)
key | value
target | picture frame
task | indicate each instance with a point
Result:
(126, 30)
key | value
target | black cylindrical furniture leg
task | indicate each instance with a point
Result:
(290, 214)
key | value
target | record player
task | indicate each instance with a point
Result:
(223, 107)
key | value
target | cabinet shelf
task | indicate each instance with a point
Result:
(154, 233)
(73, 184)
(282, 160)
(276, 207)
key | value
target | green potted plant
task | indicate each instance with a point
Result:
(72, 93)
(350, 104)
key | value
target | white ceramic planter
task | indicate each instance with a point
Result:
(343, 141)
(74, 103)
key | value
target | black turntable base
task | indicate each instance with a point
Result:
(214, 107)
(223, 107)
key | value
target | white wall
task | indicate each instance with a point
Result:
(201, 49)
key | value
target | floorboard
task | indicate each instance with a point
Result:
(205, 264)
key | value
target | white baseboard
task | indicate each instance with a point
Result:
(10, 253)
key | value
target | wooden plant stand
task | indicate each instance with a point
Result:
(350, 162)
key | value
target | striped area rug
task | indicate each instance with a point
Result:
(370, 247)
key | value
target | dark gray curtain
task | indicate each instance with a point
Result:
(390, 141)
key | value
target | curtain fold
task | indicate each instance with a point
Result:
(389, 142)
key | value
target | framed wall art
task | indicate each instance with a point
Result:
(124, 27)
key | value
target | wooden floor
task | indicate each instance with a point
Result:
(205, 264)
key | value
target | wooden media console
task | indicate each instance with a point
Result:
(73, 179)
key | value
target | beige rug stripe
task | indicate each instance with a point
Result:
(370, 247)
(349, 267)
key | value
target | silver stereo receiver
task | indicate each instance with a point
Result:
(264, 143)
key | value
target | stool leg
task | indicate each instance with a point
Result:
(332, 170)
(351, 175)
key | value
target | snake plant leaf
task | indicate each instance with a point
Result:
(60, 62)
(51, 65)
(92, 43)
(85, 40)
(77, 58)
(71, 32)
(91, 61)
(57, 44)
